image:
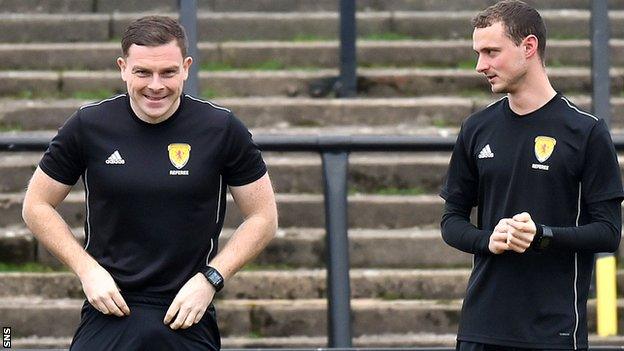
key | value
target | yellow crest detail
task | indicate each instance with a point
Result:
(544, 147)
(179, 154)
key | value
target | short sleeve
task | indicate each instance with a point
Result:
(63, 161)
(601, 178)
(462, 181)
(243, 160)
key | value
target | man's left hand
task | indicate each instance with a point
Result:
(190, 303)
(521, 232)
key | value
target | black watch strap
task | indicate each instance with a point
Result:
(214, 277)
(543, 237)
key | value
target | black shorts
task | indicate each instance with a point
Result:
(475, 346)
(143, 329)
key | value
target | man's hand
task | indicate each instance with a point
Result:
(102, 292)
(498, 240)
(521, 232)
(190, 303)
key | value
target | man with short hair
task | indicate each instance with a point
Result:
(155, 164)
(546, 180)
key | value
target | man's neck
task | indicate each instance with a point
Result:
(535, 92)
(151, 120)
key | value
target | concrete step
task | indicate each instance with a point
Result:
(16, 28)
(296, 210)
(296, 248)
(408, 340)
(368, 173)
(372, 82)
(286, 115)
(31, 316)
(248, 55)
(386, 284)
(291, 342)
(87, 6)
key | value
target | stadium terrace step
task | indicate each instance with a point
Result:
(29, 316)
(229, 26)
(393, 284)
(381, 340)
(385, 284)
(372, 82)
(86, 6)
(305, 248)
(368, 173)
(319, 54)
(296, 342)
(283, 115)
(296, 210)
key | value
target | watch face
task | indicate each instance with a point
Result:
(214, 277)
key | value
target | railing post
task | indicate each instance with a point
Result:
(188, 20)
(335, 165)
(347, 84)
(600, 59)
(606, 270)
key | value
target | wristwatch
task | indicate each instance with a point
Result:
(543, 237)
(214, 277)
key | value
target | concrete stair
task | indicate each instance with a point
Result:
(268, 61)
(271, 318)
(382, 82)
(298, 248)
(228, 26)
(309, 54)
(413, 115)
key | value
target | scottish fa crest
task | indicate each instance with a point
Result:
(544, 147)
(179, 154)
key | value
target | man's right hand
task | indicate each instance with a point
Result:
(498, 240)
(102, 292)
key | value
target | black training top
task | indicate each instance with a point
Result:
(559, 165)
(155, 193)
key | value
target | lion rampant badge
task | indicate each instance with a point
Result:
(544, 147)
(179, 154)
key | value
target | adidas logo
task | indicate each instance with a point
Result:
(115, 159)
(486, 152)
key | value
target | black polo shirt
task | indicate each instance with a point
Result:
(155, 193)
(554, 163)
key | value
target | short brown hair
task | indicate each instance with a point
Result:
(519, 19)
(153, 31)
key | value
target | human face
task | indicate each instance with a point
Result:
(154, 77)
(503, 63)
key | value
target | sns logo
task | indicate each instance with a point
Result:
(6, 337)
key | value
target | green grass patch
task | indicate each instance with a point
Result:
(476, 93)
(99, 94)
(28, 267)
(301, 37)
(209, 93)
(269, 65)
(11, 127)
(389, 191)
(253, 267)
(386, 36)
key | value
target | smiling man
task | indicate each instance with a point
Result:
(156, 165)
(545, 178)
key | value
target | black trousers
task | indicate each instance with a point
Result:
(143, 329)
(473, 346)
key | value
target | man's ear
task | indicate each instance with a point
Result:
(530, 44)
(186, 64)
(121, 63)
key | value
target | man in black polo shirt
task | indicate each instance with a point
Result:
(545, 178)
(155, 164)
